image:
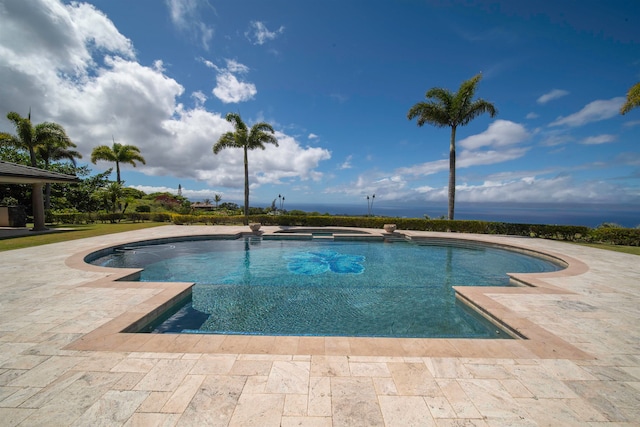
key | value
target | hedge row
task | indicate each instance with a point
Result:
(87, 218)
(613, 236)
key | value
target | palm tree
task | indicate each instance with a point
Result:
(52, 150)
(633, 99)
(35, 140)
(444, 108)
(118, 153)
(217, 199)
(256, 137)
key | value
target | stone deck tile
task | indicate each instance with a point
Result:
(63, 359)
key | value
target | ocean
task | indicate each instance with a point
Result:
(590, 215)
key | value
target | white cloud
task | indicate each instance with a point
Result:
(199, 97)
(598, 139)
(234, 66)
(592, 112)
(312, 136)
(561, 189)
(347, 163)
(229, 89)
(259, 34)
(386, 187)
(185, 15)
(137, 104)
(532, 116)
(554, 94)
(500, 133)
(553, 139)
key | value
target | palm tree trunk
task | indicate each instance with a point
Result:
(118, 172)
(452, 173)
(38, 207)
(246, 187)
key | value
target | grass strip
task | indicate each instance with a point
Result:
(64, 233)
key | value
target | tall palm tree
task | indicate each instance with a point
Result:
(633, 99)
(444, 108)
(247, 139)
(118, 153)
(35, 140)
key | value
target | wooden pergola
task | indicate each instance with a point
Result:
(12, 173)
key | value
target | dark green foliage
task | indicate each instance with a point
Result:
(615, 236)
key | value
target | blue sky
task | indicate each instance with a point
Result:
(336, 79)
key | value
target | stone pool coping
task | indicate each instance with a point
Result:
(539, 342)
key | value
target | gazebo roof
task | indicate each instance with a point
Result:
(13, 173)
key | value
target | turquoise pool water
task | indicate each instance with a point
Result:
(325, 287)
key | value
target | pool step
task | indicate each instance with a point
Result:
(322, 237)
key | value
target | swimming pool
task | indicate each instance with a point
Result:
(323, 287)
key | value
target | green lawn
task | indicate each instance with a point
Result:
(634, 250)
(76, 231)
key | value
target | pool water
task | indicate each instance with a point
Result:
(327, 288)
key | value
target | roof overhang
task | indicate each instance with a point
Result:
(12, 173)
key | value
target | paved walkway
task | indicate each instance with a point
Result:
(63, 360)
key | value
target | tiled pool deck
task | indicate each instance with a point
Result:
(63, 360)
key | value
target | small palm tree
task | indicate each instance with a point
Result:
(247, 139)
(52, 150)
(217, 198)
(444, 108)
(118, 153)
(633, 99)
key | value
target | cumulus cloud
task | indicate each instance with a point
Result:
(500, 133)
(90, 82)
(312, 136)
(185, 16)
(259, 34)
(601, 109)
(550, 96)
(229, 89)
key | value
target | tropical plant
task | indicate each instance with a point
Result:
(217, 198)
(446, 109)
(118, 153)
(47, 140)
(54, 149)
(110, 197)
(633, 99)
(247, 139)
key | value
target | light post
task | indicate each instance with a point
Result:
(370, 205)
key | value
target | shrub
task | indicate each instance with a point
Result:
(614, 236)
(609, 235)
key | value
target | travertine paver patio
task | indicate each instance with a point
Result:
(63, 360)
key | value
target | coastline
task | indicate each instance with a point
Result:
(590, 215)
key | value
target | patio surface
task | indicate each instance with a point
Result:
(64, 360)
